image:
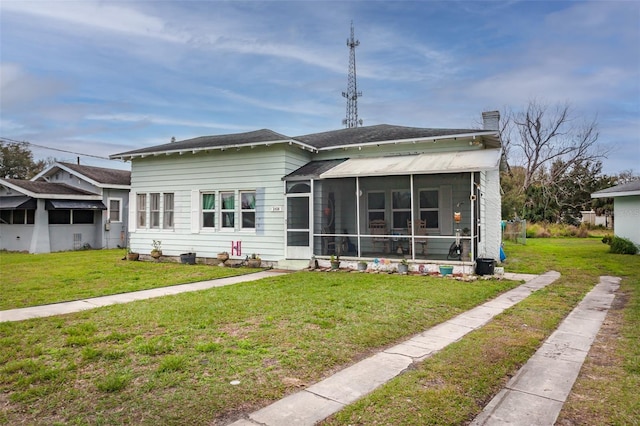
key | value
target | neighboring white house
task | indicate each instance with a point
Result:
(65, 207)
(287, 198)
(626, 209)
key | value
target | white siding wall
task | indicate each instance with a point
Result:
(490, 205)
(627, 217)
(260, 169)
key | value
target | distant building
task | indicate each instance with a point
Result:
(65, 207)
(626, 209)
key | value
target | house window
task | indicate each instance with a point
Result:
(82, 216)
(115, 213)
(208, 210)
(141, 205)
(18, 217)
(375, 205)
(248, 209)
(59, 217)
(154, 209)
(168, 211)
(401, 208)
(429, 208)
(227, 210)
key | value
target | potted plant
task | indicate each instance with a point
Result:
(156, 252)
(223, 256)
(403, 266)
(188, 258)
(335, 262)
(362, 265)
(254, 261)
(131, 255)
(446, 270)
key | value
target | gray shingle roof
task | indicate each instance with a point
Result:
(325, 140)
(372, 134)
(102, 174)
(39, 187)
(313, 169)
(632, 186)
(236, 139)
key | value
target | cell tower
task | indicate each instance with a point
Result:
(352, 93)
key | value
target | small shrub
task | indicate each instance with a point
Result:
(113, 382)
(623, 246)
(172, 363)
(607, 239)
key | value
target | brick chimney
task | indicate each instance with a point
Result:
(491, 120)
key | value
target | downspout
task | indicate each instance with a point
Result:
(473, 200)
(412, 238)
(358, 216)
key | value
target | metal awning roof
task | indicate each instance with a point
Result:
(17, 203)
(74, 205)
(432, 163)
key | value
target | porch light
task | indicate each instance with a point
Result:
(457, 216)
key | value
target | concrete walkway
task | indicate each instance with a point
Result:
(97, 302)
(535, 395)
(329, 396)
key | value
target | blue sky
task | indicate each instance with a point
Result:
(103, 77)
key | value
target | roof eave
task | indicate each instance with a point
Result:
(129, 156)
(420, 139)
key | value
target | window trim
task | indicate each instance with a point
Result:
(168, 213)
(154, 210)
(141, 210)
(233, 210)
(119, 200)
(430, 209)
(211, 211)
(249, 210)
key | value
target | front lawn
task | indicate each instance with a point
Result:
(172, 360)
(37, 279)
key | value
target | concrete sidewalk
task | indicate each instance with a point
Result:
(329, 396)
(97, 302)
(535, 395)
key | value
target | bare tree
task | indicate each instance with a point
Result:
(547, 134)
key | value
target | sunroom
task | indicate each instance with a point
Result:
(423, 207)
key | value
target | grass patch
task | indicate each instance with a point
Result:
(37, 279)
(171, 360)
(453, 386)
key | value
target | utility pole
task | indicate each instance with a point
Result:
(352, 93)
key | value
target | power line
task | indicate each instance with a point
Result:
(54, 149)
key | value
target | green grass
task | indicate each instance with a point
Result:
(171, 360)
(37, 279)
(454, 385)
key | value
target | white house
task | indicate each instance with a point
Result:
(626, 209)
(65, 207)
(351, 192)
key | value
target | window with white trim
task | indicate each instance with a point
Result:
(154, 210)
(227, 209)
(376, 205)
(208, 209)
(115, 210)
(400, 208)
(429, 207)
(141, 208)
(167, 212)
(248, 209)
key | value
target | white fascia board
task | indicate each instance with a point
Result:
(413, 140)
(212, 148)
(614, 194)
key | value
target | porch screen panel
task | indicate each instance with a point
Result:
(401, 208)
(429, 207)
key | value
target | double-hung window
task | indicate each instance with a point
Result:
(141, 206)
(401, 208)
(248, 209)
(208, 210)
(168, 211)
(227, 209)
(429, 208)
(155, 210)
(115, 212)
(375, 205)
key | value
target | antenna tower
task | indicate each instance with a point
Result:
(352, 93)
